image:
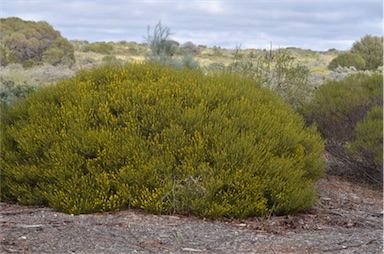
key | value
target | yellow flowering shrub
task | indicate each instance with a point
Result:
(159, 139)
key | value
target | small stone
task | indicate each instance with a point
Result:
(191, 250)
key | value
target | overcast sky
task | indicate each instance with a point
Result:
(307, 24)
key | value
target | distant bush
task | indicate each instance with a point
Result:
(111, 59)
(190, 48)
(161, 46)
(31, 43)
(162, 140)
(163, 49)
(276, 70)
(98, 47)
(338, 107)
(78, 44)
(371, 49)
(216, 67)
(128, 49)
(217, 51)
(347, 59)
(53, 56)
(190, 63)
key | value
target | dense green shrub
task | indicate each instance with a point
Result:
(371, 49)
(338, 107)
(32, 42)
(159, 139)
(367, 145)
(347, 59)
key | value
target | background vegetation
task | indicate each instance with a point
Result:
(31, 43)
(371, 49)
(348, 113)
(348, 59)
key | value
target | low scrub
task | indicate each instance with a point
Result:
(98, 47)
(277, 70)
(347, 59)
(159, 139)
(367, 144)
(347, 114)
(16, 82)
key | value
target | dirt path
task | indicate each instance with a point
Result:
(347, 219)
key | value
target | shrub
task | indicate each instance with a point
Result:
(98, 47)
(161, 46)
(11, 93)
(371, 49)
(189, 62)
(163, 49)
(16, 82)
(338, 107)
(215, 67)
(29, 43)
(347, 60)
(162, 140)
(111, 59)
(367, 146)
(53, 56)
(217, 51)
(190, 48)
(31, 63)
(279, 71)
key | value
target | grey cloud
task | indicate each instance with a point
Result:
(318, 25)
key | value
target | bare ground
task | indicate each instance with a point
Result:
(348, 218)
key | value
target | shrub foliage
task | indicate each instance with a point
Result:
(340, 111)
(98, 47)
(31, 43)
(277, 70)
(371, 49)
(347, 59)
(162, 140)
(367, 145)
(163, 49)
